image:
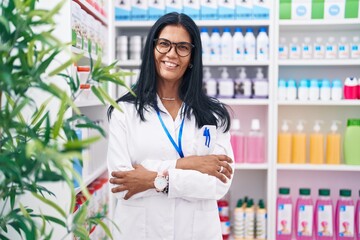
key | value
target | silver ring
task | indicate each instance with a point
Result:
(221, 169)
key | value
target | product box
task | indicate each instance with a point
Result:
(243, 9)
(208, 9)
(301, 9)
(261, 9)
(156, 9)
(139, 10)
(123, 10)
(192, 8)
(226, 9)
(352, 9)
(317, 10)
(173, 6)
(285, 9)
(334, 9)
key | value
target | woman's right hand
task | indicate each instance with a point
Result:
(208, 164)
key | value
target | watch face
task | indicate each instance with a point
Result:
(160, 183)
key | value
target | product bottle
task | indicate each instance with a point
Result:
(210, 84)
(250, 220)
(331, 49)
(336, 90)
(351, 88)
(325, 92)
(351, 142)
(262, 45)
(304, 213)
(357, 218)
(238, 45)
(261, 221)
(314, 90)
(291, 90)
(344, 51)
(319, 49)
(206, 45)
(226, 45)
(225, 84)
(317, 144)
(284, 218)
(215, 45)
(324, 216)
(306, 49)
(255, 144)
(249, 45)
(283, 49)
(355, 48)
(281, 89)
(294, 49)
(344, 216)
(333, 144)
(239, 221)
(303, 90)
(237, 141)
(243, 85)
(260, 85)
(284, 144)
(298, 150)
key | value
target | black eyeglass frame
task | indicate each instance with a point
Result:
(171, 46)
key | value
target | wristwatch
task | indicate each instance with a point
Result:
(161, 183)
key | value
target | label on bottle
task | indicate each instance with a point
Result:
(305, 220)
(261, 225)
(284, 219)
(324, 221)
(346, 221)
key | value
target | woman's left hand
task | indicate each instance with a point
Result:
(134, 181)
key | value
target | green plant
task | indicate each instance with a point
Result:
(37, 146)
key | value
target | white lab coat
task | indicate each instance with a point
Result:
(189, 211)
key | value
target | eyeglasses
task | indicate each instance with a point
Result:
(163, 46)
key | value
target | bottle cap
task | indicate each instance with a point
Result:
(281, 83)
(215, 30)
(331, 39)
(303, 83)
(239, 203)
(356, 39)
(334, 126)
(284, 191)
(324, 192)
(307, 39)
(255, 124)
(224, 74)
(345, 192)
(242, 74)
(250, 203)
(325, 83)
(353, 122)
(238, 29)
(235, 124)
(285, 126)
(314, 83)
(249, 29)
(226, 29)
(304, 191)
(336, 83)
(291, 83)
(204, 29)
(317, 126)
(261, 204)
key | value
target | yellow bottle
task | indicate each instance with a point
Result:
(333, 145)
(298, 148)
(284, 144)
(317, 145)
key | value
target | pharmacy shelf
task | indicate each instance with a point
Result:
(319, 25)
(200, 23)
(318, 167)
(88, 103)
(319, 62)
(92, 11)
(247, 101)
(94, 175)
(251, 166)
(344, 102)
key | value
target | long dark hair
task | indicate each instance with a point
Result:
(207, 110)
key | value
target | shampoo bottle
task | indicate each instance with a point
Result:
(260, 85)
(210, 84)
(351, 142)
(284, 144)
(226, 84)
(250, 220)
(317, 144)
(344, 216)
(237, 141)
(333, 144)
(357, 218)
(239, 221)
(304, 213)
(242, 85)
(255, 144)
(298, 151)
(261, 221)
(351, 88)
(284, 215)
(324, 216)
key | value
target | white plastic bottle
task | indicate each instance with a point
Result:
(355, 48)
(260, 85)
(250, 45)
(262, 45)
(281, 89)
(303, 90)
(206, 45)
(291, 90)
(331, 49)
(238, 45)
(283, 49)
(344, 51)
(314, 90)
(226, 45)
(215, 43)
(210, 84)
(243, 85)
(336, 90)
(325, 91)
(306, 49)
(294, 49)
(226, 84)
(319, 49)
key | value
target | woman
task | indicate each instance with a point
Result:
(169, 152)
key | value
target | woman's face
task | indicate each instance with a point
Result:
(170, 67)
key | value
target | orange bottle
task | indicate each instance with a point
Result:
(333, 145)
(284, 144)
(317, 145)
(298, 149)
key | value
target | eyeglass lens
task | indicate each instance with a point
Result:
(163, 46)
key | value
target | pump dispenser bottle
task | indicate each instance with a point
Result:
(260, 85)
(255, 144)
(210, 84)
(226, 84)
(298, 150)
(237, 141)
(284, 144)
(317, 144)
(242, 85)
(333, 144)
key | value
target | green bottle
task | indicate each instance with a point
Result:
(352, 142)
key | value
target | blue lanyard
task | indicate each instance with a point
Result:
(177, 147)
